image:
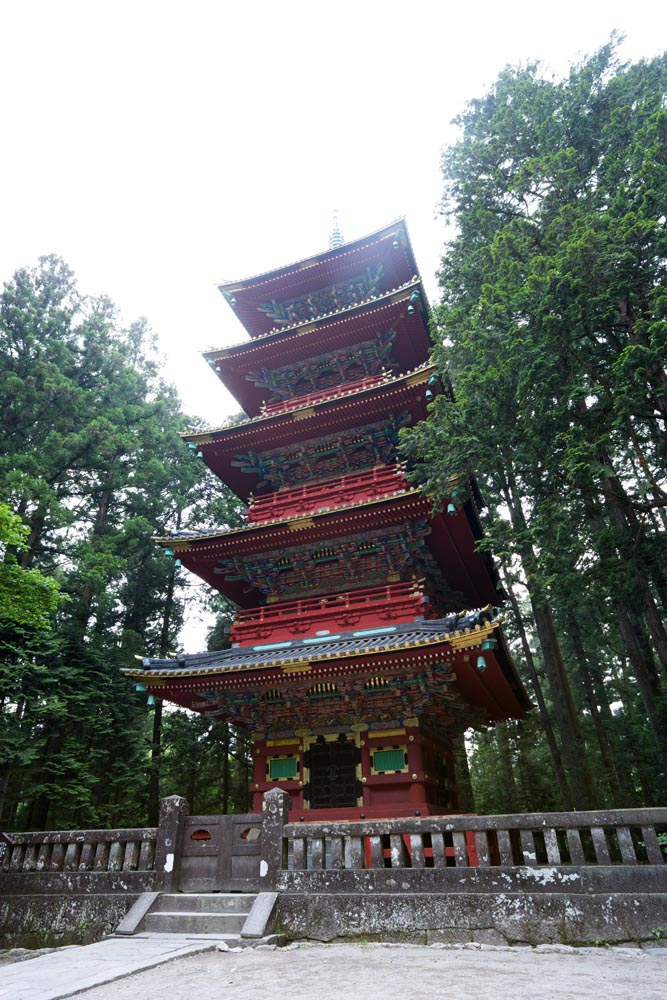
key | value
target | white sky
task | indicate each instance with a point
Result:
(160, 147)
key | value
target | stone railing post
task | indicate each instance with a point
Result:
(169, 844)
(274, 810)
(5, 849)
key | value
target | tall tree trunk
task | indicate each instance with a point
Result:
(617, 786)
(567, 721)
(154, 773)
(627, 612)
(464, 793)
(84, 605)
(545, 719)
(530, 775)
(39, 807)
(642, 662)
(36, 527)
(156, 741)
(506, 768)
(629, 532)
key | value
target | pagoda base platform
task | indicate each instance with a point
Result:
(358, 774)
(358, 813)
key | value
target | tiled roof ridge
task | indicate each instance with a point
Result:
(207, 431)
(455, 624)
(257, 527)
(363, 303)
(350, 246)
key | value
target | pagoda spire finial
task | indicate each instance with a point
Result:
(336, 238)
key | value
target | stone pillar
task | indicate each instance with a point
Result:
(168, 848)
(274, 810)
(5, 848)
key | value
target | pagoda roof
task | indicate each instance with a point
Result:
(451, 540)
(344, 328)
(389, 247)
(456, 639)
(342, 409)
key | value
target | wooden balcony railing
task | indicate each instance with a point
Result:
(342, 491)
(615, 837)
(333, 392)
(392, 604)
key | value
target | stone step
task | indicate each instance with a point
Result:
(204, 902)
(194, 922)
(233, 940)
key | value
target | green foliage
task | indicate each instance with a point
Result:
(91, 465)
(218, 636)
(27, 597)
(206, 761)
(551, 331)
(510, 772)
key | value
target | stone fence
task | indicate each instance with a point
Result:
(93, 861)
(81, 851)
(535, 877)
(573, 878)
(74, 886)
(614, 837)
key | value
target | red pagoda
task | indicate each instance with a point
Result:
(353, 660)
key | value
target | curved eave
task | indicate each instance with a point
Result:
(343, 329)
(261, 347)
(348, 410)
(335, 331)
(288, 526)
(320, 271)
(497, 690)
(497, 686)
(451, 541)
(302, 656)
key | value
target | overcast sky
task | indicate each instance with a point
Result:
(161, 147)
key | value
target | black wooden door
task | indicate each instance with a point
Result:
(221, 853)
(333, 775)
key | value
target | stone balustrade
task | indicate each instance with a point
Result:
(574, 877)
(81, 851)
(612, 837)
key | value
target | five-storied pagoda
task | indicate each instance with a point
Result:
(365, 642)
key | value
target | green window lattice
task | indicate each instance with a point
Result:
(389, 760)
(283, 767)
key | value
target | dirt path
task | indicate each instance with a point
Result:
(381, 972)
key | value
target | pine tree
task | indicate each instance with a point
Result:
(552, 329)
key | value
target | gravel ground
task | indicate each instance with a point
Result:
(380, 972)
